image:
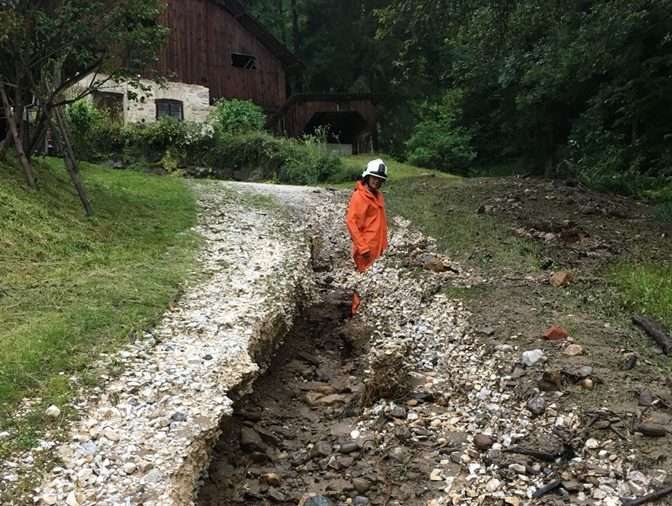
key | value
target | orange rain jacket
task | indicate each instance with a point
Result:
(367, 224)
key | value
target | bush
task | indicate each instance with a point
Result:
(95, 134)
(237, 116)
(437, 142)
(261, 156)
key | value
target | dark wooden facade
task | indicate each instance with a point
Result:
(206, 36)
(351, 118)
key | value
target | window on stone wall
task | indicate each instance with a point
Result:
(169, 108)
(244, 61)
(112, 103)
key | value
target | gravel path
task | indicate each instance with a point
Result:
(144, 439)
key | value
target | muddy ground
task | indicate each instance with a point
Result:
(574, 229)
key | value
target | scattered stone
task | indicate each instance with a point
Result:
(483, 442)
(362, 485)
(361, 501)
(329, 400)
(532, 357)
(130, 468)
(319, 500)
(561, 278)
(436, 475)
(651, 429)
(555, 333)
(630, 362)
(398, 412)
(519, 468)
(348, 447)
(592, 444)
(587, 383)
(53, 412)
(551, 380)
(573, 350)
(572, 486)
(493, 485)
(536, 405)
(251, 440)
(646, 398)
(178, 417)
(272, 479)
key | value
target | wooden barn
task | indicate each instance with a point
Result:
(216, 50)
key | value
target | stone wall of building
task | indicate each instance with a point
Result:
(195, 99)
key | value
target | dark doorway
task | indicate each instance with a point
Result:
(343, 127)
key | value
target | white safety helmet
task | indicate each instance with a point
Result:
(376, 168)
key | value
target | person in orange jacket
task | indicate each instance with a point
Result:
(366, 220)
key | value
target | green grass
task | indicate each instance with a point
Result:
(72, 287)
(645, 288)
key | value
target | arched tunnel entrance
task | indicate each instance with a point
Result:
(347, 131)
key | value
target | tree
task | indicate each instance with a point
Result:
(46, 46)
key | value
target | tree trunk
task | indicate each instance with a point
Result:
(296, 33)
(18, 142)
(63, 138)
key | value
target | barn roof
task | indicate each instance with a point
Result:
(237, 10)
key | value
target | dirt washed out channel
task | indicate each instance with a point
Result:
(292, 439)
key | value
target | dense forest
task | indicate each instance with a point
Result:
(574, 87)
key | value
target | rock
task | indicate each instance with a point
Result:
(49, 499)
(398, 412)
(651, 429)
(577, 373)
(251, 440)
(348, 447)
(646, 398)
(322, 449)
(110, 434)
(551, 380)
(493, 485)
(561, 278)
(483, 442)
(436, 475)
(536, 405)
(587, 383)
(630, 362)
(276, 495)
(555, 333)
(362, 485)
(71, 500)
(53, 412)
(573, 350)
(572, 486)
(178, 417)
(129, 468)
(592, 444)
(272, 479)
(532, 357)
(329, 400)
(319, 500)
(360, 501)
(519, 468)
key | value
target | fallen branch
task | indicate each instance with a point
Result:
(654, 496)
(655, 330)
(547, 488)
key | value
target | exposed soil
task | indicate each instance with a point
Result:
(583, 232)
(293, 436)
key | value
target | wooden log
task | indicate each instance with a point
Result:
(656, 330)
(653, 496)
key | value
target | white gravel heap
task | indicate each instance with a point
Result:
(145, 439)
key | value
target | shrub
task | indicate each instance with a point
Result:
(237, 116)
(437, 142)
(95, 133)
(261, 156)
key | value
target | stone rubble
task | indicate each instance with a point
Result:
(144, 437)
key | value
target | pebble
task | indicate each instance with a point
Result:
(53, 411)
(532, 357)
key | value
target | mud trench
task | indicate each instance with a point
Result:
(293, 436)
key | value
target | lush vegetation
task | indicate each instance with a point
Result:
(72, 287)
(231, 145)
(576, 88)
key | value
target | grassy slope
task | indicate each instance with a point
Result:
(72, 287)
